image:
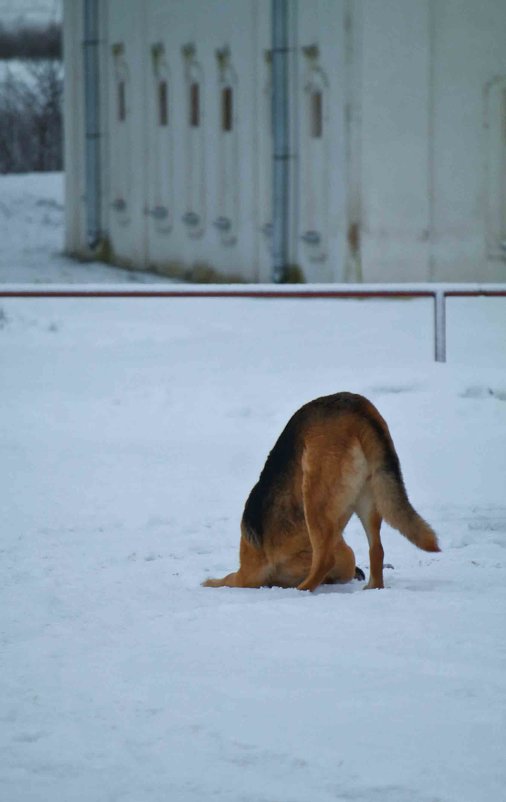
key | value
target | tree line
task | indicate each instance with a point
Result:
(31, 99)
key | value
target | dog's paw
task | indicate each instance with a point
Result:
(359, 574)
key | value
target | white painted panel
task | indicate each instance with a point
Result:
(495, 123)
(319, 205)
(265, 150)
(212, 181)
(159, 122)
(195, 130)
(469, 62)
(228, 154)
(229, 32)
(394, 144)
(170, 29)
(125, 133)
(121, 135)
(264, 144)
(314, 157)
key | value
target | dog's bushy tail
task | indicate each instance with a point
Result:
(393, 504)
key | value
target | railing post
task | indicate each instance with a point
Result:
(440, 325)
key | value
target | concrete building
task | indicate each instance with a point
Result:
(395, 159)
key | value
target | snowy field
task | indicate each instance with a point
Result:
(131, 433)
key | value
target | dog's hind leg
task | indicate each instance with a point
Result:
(254, 570)
(332, 557)
(327, 509)
(371, 521)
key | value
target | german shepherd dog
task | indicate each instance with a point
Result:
(335, 457)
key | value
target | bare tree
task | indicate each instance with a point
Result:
(34, 42)
(31, 103)
(43, 97)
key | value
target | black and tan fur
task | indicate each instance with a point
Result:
(335, 457)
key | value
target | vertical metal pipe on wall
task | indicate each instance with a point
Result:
(280, 181)
(92, 123)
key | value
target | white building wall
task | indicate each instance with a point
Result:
(394, 129)
(124, 130)
(319, 143)
(398, 141)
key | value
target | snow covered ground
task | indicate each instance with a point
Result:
(31, 236)
(131, 432)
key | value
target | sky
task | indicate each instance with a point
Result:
(31, 11)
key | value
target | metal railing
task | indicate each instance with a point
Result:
(438, 292)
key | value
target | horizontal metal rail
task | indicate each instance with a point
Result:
(439, 293)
